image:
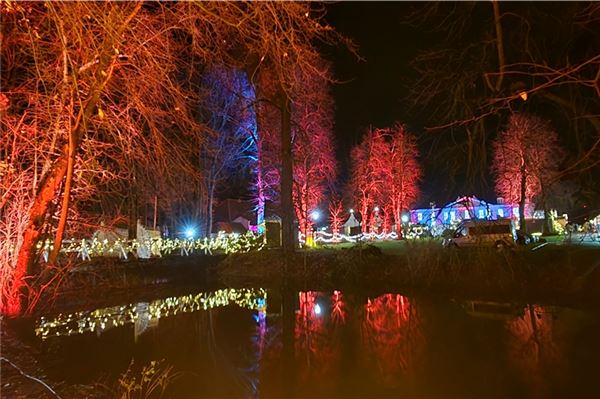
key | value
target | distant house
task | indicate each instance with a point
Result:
(233, 216)
(230, 227)
(468, 208)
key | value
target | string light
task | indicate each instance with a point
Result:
(229, 243)
(106, 318)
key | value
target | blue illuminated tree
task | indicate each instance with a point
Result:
(231, 144)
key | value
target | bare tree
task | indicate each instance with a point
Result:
(497, 58)
(526, 159)
(95, 100)
(232, 138)
(281, 36)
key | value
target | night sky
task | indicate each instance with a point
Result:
(372, 91)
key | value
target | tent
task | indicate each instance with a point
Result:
(351, 225)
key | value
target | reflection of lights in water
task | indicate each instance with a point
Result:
(259, 316)
(392, 337)
(317, 309)
(338, 313)
(115, 316)
(404, 218)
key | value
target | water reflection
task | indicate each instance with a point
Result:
(144, 315)
(317, 338)
(333, 344)
(534, 350)
(392, 338)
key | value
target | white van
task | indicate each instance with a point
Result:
(484, 233)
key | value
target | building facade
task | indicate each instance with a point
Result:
(465, 208)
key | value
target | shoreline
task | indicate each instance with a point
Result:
(556, 275)
(559, 274)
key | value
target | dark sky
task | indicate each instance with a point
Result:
(371, 91)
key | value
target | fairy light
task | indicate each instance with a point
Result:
(116, 316)
(228, 243)
(329, 238)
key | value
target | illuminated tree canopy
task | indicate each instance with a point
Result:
(102, 106)
(385, 176)
(526, 159)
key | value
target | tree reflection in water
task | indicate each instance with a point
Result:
(392, 338)
(317, 343)
(333, 345)
(534, 350)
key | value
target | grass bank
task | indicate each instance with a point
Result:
(559, 274)
(551, 273)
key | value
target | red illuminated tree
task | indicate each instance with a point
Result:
(55, 88)
(336, 214)
(526, 158)
(100, 100)
(368, 174)
(312, 129)
(404, 173)
(386, 174)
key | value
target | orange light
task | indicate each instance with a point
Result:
(523, 95)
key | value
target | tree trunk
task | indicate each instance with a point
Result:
(27, 252)
(400, 235)
(287, 205)
(64, 211)
(522, 226)
(103, 75)
(155, 213)
(260, 193)
(209, 208)
(132, 215)
(499, 44)
(364, 214)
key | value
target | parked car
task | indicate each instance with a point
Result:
(484, 233)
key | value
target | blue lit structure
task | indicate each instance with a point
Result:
(465, 208)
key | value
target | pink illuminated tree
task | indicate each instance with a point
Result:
(313, 150)
(368, 174)
(385, 176)
(336, 214)
(526, 158)
(404, 173)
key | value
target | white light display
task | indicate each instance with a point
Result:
(102, 319)
(157, 247)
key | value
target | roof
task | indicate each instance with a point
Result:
(230, 209)
(229, 227)
(351, 222)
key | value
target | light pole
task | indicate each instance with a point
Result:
(315, 215)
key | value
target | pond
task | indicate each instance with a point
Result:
(253, 342)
